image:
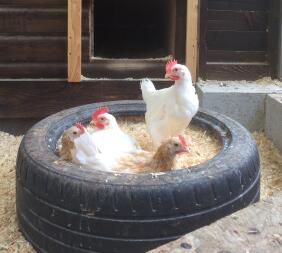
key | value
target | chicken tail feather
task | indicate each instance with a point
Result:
(147, 87)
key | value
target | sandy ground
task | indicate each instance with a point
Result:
(11, 240)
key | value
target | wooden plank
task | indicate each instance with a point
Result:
(237, 20)
(251, 5)
(33, 70)
(273, 36)
(192, 37)
(254, 229)
(203, 40)
(236, 71)
(40, 98)
(36, 49)
(180, 22)
(34, 3)
(33, 49)
(96, 70)
(124, 68)
(279, 65)
(74, 40)
(233, 40)
(236, 56)
(35, 21)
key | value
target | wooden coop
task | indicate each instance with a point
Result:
(55, 54)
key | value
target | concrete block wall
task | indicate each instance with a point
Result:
(273, 119)
(248, 103)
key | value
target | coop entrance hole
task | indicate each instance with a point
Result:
(133, 29)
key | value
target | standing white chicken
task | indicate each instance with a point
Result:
(109, 138)
(170, 110)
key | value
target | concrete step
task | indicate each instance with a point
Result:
(273, 119)
(244, 102)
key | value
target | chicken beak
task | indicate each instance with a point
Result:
(92, 123)
(168, 76)
(185, 149)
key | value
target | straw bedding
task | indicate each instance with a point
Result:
(203, 146)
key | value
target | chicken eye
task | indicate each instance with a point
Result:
(102, 118)
(176, 145)
(176, 69)
(75, 133)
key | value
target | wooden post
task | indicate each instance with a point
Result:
(192, 37)
(74, 40)
(280, 42)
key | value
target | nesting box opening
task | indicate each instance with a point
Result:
(134, 29)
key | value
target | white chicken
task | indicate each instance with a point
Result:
(109, 138)
(170, 110)
(79, 147)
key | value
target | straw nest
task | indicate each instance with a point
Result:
(11, 240)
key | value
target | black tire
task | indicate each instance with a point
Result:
(68, 209)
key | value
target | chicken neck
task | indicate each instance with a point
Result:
(67, 147)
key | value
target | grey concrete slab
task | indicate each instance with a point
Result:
(244, 102)
(273, 119)
(255, 229)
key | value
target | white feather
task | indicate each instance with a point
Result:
(112, 140)
(170, 110)
(87, 154)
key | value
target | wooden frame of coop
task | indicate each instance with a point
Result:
(217, 39)
(74, 38)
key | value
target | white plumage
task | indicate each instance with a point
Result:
(170, 110)
(88, 154)
(109, 138)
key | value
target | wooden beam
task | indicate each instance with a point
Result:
(280, 44)
(74, 40)
(192, 37)
(47, 94)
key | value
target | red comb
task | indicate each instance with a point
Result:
(99, 111)
(183, 141)
(80, 127)
(170, 65)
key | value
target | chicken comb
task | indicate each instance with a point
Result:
(99, 111)
(170, 65)
(80, 127)
(182, 141)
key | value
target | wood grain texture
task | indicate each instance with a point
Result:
(37, 21)
(236, 56)
(233, 40)
(192, 37)
(202, 38)
(34, 3)
(254, 229)
(97, 69)
(238, 4)
(40, 98)
(124, 68)
(35, 70)
(237, 20)
(30, 49)
(236, 71)
(74, 40)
